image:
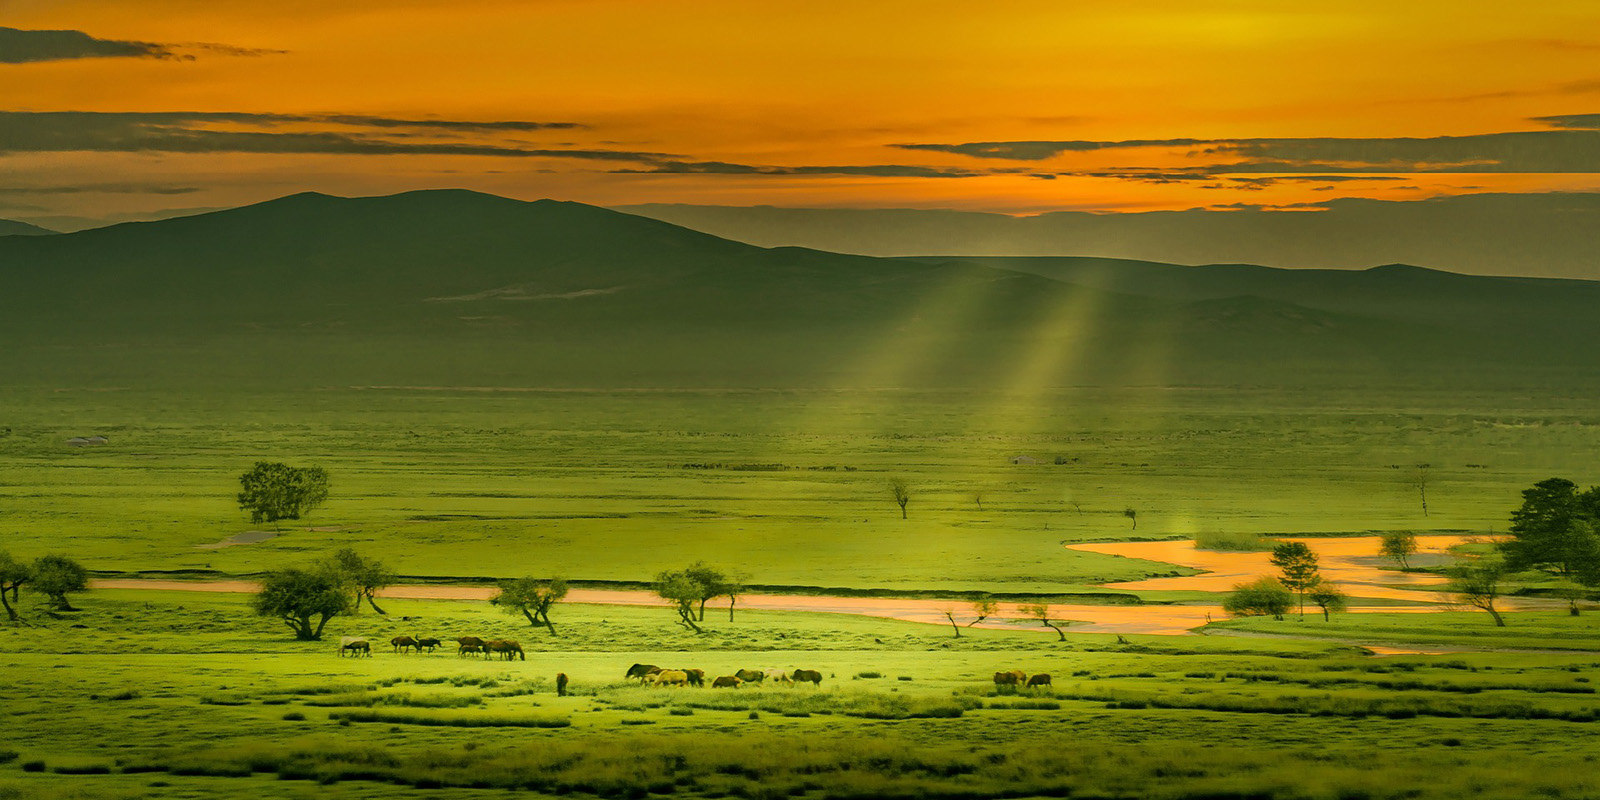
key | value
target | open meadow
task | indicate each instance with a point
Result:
(191, 694)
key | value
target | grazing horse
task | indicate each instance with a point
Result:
(469, 644)
(778, 676)
(670, 677)
(697, 677)
(1042, 679)
(726, 682)
(428, 643)
(510, 649)
(750, 675)
(561, 684)
(806, 676)
(355, 646)
(642, 671)
(403, 643)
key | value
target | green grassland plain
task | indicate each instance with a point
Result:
(790, 487)
(145, 693)
(172, 694)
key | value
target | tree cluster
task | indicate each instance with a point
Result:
(689, 589)
(1300, 577)
(1557, 531)
(306, 597)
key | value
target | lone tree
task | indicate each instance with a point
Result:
(296, 595)
(1265, 596)
(712, 583)
(1476, 582)
(1554, 531)
(949, 613)
(56, 576)
(901, 492)
(1299, 567)
(365, 575)
(1041, 612)
(983, 608)
(532, 598)
(1422, 485)
(1132, 514)
(13, 574)
(1328, 597)
(682, 591)
(734, 587)
(272, 491)
(1399, 546)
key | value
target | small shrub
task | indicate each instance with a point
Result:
(82, 769)
(681, 712)
(33, 766)
(294, 716)
(903, 678)
(8, 756)
(869, 675)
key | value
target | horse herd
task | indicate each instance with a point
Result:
(652, 675)
(508, 649)
(645, 674)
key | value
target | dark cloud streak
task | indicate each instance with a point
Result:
(19, 46)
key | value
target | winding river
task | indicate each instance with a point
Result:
(1351, 562)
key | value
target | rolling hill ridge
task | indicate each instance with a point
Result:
(453, 287)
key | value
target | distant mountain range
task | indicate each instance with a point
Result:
(1549, 235)
(464, 289)
(12, 228)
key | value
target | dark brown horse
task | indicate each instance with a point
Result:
(561, 684)
(1042, 679)
(428, 643)
(806, 676)
(469, 644)
(697, 677)
(403, 643)
(641, 671)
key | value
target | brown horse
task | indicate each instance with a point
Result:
(469, 644)
(428, 643)
(806, 676)
(561, 684)
(1042, 679)
(355, 646)
(403, 643)
(750, 675)
(697, 677)
(509, 649)
(726, 682)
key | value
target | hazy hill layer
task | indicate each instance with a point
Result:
(1553, 234)
(459, 288)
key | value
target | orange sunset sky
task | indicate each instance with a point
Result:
(115, 109)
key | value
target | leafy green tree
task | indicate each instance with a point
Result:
(1042, 612)
(532, 598)
(901, 491)
(1299, 567)
(1328, 597)
(682, 591)
(57, 576)
(272, 491)
(983, 608)
(13, 574)
(1398, 546)
(365, 575)
(1262, 597)
(1476, 582)
(712, 584)
(1132, 514)
(296, 595)
(1554, 531)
